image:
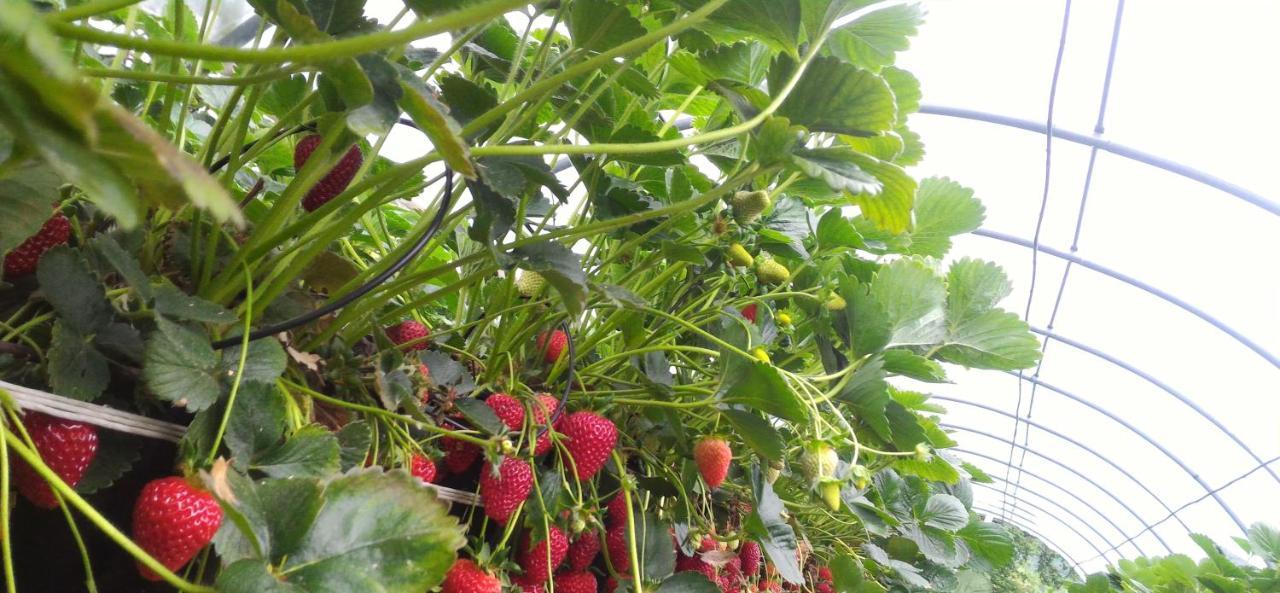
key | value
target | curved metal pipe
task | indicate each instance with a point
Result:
(1143, 286)
(1124, 536)
(1044, 540)
(1068, 439)
(1073, 471)
(1059, 519)
(1119, 150)
(1162, 385)
(1135, 430)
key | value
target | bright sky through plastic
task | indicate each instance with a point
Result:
(1195, 83)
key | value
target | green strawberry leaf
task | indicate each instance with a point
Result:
(909, 364)
(599, 25)
(354, 441)
(656, 554)
(913, 298)
(257, 421)
(311, 452)
(76, 369)
(172, 302)
(180, 366)
(26, 201)
(124, 263)
(757, 433)
(874, 40)
(68, 285)
(988, 541)
(560, 266)
(252, 576)
(943, 209)
(768, 525)
(833, 96)
(375, 531)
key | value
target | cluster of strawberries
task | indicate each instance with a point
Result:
(172, 518)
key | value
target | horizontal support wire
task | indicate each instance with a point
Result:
(1146, 437)
(1050, 500)
(1117, 149)
(1056, 517)
(1068, 468)
(1044, 540)
(1143, 286)
(1163, 387)
(1082, 446)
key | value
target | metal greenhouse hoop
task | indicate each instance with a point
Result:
(1070, 469)
(1054, 502)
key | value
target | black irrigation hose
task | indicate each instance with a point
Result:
(363, 289)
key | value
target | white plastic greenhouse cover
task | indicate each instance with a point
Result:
(1193, 82)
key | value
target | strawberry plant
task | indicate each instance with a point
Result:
(632, 316)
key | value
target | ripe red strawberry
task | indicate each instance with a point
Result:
(172, 520)
(66, 447)
(616, 510)
(465, 576)
(713, 456)
(508, 409)
(617, 548)
(824, 573)
(336, 181)
(824, 587)
(583, 551)
(552, 348)
(23, 259)
(590, 440)
(540, 559)
(458, 455)
(749, 312)
(423, 468)
(576, 582)
(770, 587)
(504, 492)
(544, 408)
(408, 331)
(750, 555)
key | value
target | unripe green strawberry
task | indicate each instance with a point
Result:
(829, 490)
(771, 272)
(819, 461)
(923, 453)
(772, 470)
(748, 205)
(835, 303)
(530, 284)
(738, 256)
(783, 318)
